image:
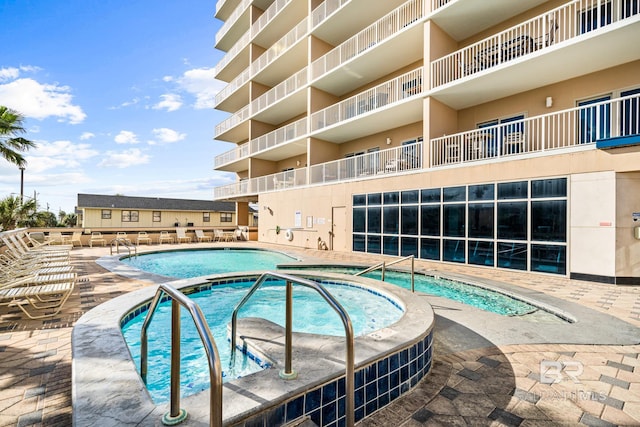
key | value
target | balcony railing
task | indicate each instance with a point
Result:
(282, 90)
(569, 129)
(436, 4)
(237, 12)
(558, 25)
(281, 46)
(390, 161)
(268, 15)
(235, 49)
(234, 120)
(405, 86)
(328, 7)
(277, 181)
(233, 86)
(279, 136)
(382, 29)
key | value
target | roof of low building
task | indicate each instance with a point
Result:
(152, 203)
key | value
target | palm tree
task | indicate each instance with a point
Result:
(10, 143)
(16, 213)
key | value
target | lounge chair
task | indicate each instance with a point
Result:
(96, 238)
(33, 244)
(17, 249)
(218, 235)
(181, 235)
(76, 237)
(143, 237)
(40, 295)
(122, 236)
(202, 237)
(165, 237)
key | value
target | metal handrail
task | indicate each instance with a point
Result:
(178, 299)
(288, 373)
(383, 265)
(118, 241)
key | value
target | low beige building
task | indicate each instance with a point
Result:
(104, 212)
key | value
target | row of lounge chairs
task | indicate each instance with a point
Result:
(165, 237)
(36, 277)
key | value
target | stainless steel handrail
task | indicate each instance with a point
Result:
(346, 321)
(118, 241)
(178, 299)
(383, 265)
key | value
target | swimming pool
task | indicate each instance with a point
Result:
(193, 263)
(369, 311)
(183, 264)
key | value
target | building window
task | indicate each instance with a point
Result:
(157, 216)
(226, 217)
(129, 216)
(206, 216)
(518, 225)
(106, 213)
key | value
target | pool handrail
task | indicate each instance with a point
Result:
(383, 265)
(121, 241)
(346, 321)
(215, 371)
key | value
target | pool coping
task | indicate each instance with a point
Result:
(107, 390)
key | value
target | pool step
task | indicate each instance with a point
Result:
(306, 422)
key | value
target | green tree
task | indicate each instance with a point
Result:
(11, 144)
(15, 214)
(69, 220)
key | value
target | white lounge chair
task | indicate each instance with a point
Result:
(181, 235)
(143, 237)
(165, 237)
(96, 238)
(39, 294)
(202, 237)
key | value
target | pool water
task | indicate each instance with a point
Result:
(368, 312)
(193, 263)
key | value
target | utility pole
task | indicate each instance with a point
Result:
(21, 184)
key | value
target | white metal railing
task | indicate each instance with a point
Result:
(402, 87)
(281, 46)
(234, 120)
(555, 26)
(277, 181)
(280, 91)
(233, 52)
(268, 15)
(573, 128)
(325, 9)
(279, 136)
(390, 161)
(436, 4)
(382, 29)
(232, 155)
(234, 85)
(237, 12)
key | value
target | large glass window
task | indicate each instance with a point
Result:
(359, 220)
(481, 192)
(480, 252)
(454, 220)
(411, 196)
(391, 215)
(453, 250)
(430, 220)
(409, 217)
(512, 220)
(374, 218)
(512, 190)
(454, 194)
(481, 219)
(409, 246)
(549, 220)
(431, 195)
(359, 243)
(549, 259)
(373, 244)
(390, 245)
(512, 255)
(549, 188)
(430, 249)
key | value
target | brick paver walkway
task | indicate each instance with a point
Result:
(600, 385)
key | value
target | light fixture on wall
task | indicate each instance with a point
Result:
(388, 141)
(548, 102)
(297, 162)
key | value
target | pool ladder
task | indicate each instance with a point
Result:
(383, 265)
(288, 372)
(126, 243)
(176, 414)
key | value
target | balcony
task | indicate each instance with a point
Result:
(270, 106)
(235, 94)
(236, 24)
(235, 127)
(282, 143)
(401, 98)
(569, 130)
(576, 39)
(403, 39)
(371, 165)
(237, 58)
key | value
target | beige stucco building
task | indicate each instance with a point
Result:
(495, 133)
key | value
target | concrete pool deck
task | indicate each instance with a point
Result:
(493, 379)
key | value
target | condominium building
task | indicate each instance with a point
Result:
(495, 133)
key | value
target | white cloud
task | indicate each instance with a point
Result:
(10, 73)
(124, 159)
(201, 83)
(170, 102)
(126, 137)
(40, 100)
(86, 135)
(58, 154)
(166, 135)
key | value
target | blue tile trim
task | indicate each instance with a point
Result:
(376, 385)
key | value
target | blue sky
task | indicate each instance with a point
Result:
(117, 95)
